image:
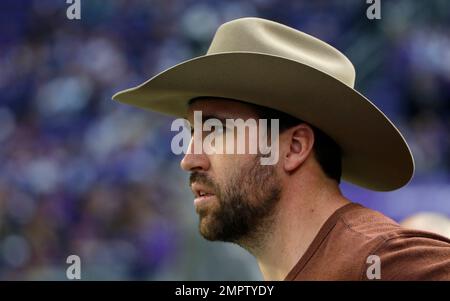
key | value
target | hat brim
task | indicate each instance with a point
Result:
(374, 153)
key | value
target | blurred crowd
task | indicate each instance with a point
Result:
(80, 174)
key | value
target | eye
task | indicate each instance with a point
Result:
(220, 129)
(215, 130)
(223, 129)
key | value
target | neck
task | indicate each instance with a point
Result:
(302, 210)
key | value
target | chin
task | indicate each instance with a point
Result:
(209, 228)
(205, 228)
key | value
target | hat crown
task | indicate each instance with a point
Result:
(268, 37)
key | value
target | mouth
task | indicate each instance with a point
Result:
(202, 193)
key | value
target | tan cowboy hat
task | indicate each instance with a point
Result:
(269, 64)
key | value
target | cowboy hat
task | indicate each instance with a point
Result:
(269, 64)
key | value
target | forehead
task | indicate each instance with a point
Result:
(221, 107)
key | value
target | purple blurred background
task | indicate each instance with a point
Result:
(83, 175)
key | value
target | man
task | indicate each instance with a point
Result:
(291, 215)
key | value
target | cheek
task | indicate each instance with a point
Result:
(226, 166)
(221, 164)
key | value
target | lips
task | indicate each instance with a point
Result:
(202, 193)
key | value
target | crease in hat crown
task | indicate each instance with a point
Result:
(268, 37)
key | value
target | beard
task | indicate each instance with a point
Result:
(245, 207)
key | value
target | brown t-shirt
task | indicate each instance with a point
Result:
(341, 250)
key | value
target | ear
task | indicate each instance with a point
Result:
(300, 141)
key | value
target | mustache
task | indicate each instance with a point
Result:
(201, 178)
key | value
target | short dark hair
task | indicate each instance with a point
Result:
(326, 151)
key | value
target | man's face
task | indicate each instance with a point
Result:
(235, 196)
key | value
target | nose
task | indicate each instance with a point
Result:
(192, 161)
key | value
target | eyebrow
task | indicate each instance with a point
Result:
(206, 117)
(222, 119)
(212, 116)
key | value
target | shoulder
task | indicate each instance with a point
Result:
(403, 254)
(414, 255)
